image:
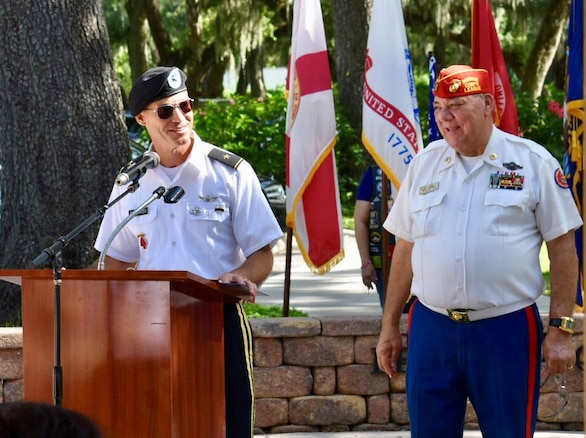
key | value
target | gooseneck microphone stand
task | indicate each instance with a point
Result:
(53, 254)
(170, 196)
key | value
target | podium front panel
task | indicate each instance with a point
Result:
(139, 358)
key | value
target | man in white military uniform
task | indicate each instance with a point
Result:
(470, 218)
(223, 228)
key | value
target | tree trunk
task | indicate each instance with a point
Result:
(554, 24)
(351, 24)
(137, 52)
(63, 136)
(251, 74)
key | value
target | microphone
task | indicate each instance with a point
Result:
(170, 196)
(137, 168)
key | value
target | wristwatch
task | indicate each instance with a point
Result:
(564, 323)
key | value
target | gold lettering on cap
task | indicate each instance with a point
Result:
(471, 84)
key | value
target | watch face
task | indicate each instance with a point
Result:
(568, 323)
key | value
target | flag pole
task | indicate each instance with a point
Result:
(583, 149)
(385, 265)
(287, 285)
(583, 164)
(583, 153)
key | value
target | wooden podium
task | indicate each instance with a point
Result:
(142, 352)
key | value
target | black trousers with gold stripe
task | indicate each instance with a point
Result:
(238, 374)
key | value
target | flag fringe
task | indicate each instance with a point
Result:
(319, 270)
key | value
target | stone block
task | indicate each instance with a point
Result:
(399, 413)
(365, 349)
(559, 407)
(290, 327)
(470, 414)
(379, 409)
(319, 351)
(293, 428)
(398, 383)
(268, 352)
(361, 380)
(285, 381)
(271, 412)
(350, 325)
(327, 410)
(10, 337)
(13, 390)
(11, 364)
(324, 380)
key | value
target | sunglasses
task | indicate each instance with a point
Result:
(166, 111)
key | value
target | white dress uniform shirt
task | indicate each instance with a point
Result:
(477, 235)
(222, 218)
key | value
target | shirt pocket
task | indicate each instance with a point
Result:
(502, 208)
(215, 211)
(144, 217)
(426, 212)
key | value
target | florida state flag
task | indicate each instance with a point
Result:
(391, 129)
(313, 199)
(487, 54)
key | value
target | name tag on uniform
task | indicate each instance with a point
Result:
(423, 190)
(141, 212)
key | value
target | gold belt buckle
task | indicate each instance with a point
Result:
(458, 315)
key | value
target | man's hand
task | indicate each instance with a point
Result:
(558, 351)
(388, 350)
(369, 276)
(239, 280)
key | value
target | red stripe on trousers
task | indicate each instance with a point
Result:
(532, 367)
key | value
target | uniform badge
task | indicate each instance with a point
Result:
(512, 166)
(142, 241)
(423, 190)
(560, 179)
(507, 180)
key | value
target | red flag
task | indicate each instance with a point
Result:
(313, 200)
(487, 54)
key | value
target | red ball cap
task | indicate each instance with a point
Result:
(461, 80)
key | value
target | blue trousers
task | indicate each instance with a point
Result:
(493, 362)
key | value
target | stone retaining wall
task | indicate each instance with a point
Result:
(320, 375)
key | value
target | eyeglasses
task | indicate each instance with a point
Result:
(562, 390)
(166, 111)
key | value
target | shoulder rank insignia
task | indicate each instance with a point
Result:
(225, 157)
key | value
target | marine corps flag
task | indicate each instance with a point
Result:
(313, 199)
(433, 133)
(391, 129)
(487, 54)
(574, 125)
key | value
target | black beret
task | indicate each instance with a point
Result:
(155, 84)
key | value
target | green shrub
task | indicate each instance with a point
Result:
(254, 310)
